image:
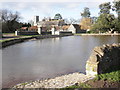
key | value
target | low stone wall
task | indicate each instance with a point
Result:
(26, 33)
(13, 41)
(95, 34)
(103, 58)
(65, 33)
(18, 40)
(46, 33)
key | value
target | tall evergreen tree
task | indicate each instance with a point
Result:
(116, 7)
(105, 8)
(58, 16)
(85, 13)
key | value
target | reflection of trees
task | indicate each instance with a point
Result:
(106, 39)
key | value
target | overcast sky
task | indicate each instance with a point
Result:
(48, 8)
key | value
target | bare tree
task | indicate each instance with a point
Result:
(10, 16)
(73, 21)
(66, 21)
(31, 22)
(9, 20)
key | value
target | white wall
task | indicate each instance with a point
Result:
(71, 28)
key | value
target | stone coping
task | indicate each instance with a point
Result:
(98, 34)
(13, 41)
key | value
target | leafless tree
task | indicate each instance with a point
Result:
(10, 20)
(10, 16)
(72, 21)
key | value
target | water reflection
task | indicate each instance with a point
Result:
(47, 58)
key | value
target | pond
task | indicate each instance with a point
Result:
(47, 58)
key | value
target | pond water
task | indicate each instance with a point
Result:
(46, 58)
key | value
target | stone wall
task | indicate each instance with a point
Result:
(103, 58)
(27, 33)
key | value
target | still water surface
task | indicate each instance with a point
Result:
(46, 58)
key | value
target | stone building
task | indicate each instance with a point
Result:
(47, 22)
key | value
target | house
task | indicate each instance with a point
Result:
(59, 30)
(75, 28)
(33, 28)
(55, 30)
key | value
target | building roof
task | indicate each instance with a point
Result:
(77, 27)
(65, 27)
(24, 28)
(33, 27)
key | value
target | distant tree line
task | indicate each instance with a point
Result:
(10, 21)
(106, 20)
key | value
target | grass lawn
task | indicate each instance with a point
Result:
(8, 33)
(113, 76)
(4, 40)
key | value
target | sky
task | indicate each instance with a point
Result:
(48, 8)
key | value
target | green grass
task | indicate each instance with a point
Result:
(24, 83)
(81, 85)
(112, 76)
(8, 33)
(21, 36)
(78, 34)
(4, 40)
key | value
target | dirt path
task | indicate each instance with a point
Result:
(103, 84)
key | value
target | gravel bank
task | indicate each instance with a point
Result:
(57, 82)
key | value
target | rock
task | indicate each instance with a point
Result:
(102, 58)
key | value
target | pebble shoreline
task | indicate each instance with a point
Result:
(57, 82)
